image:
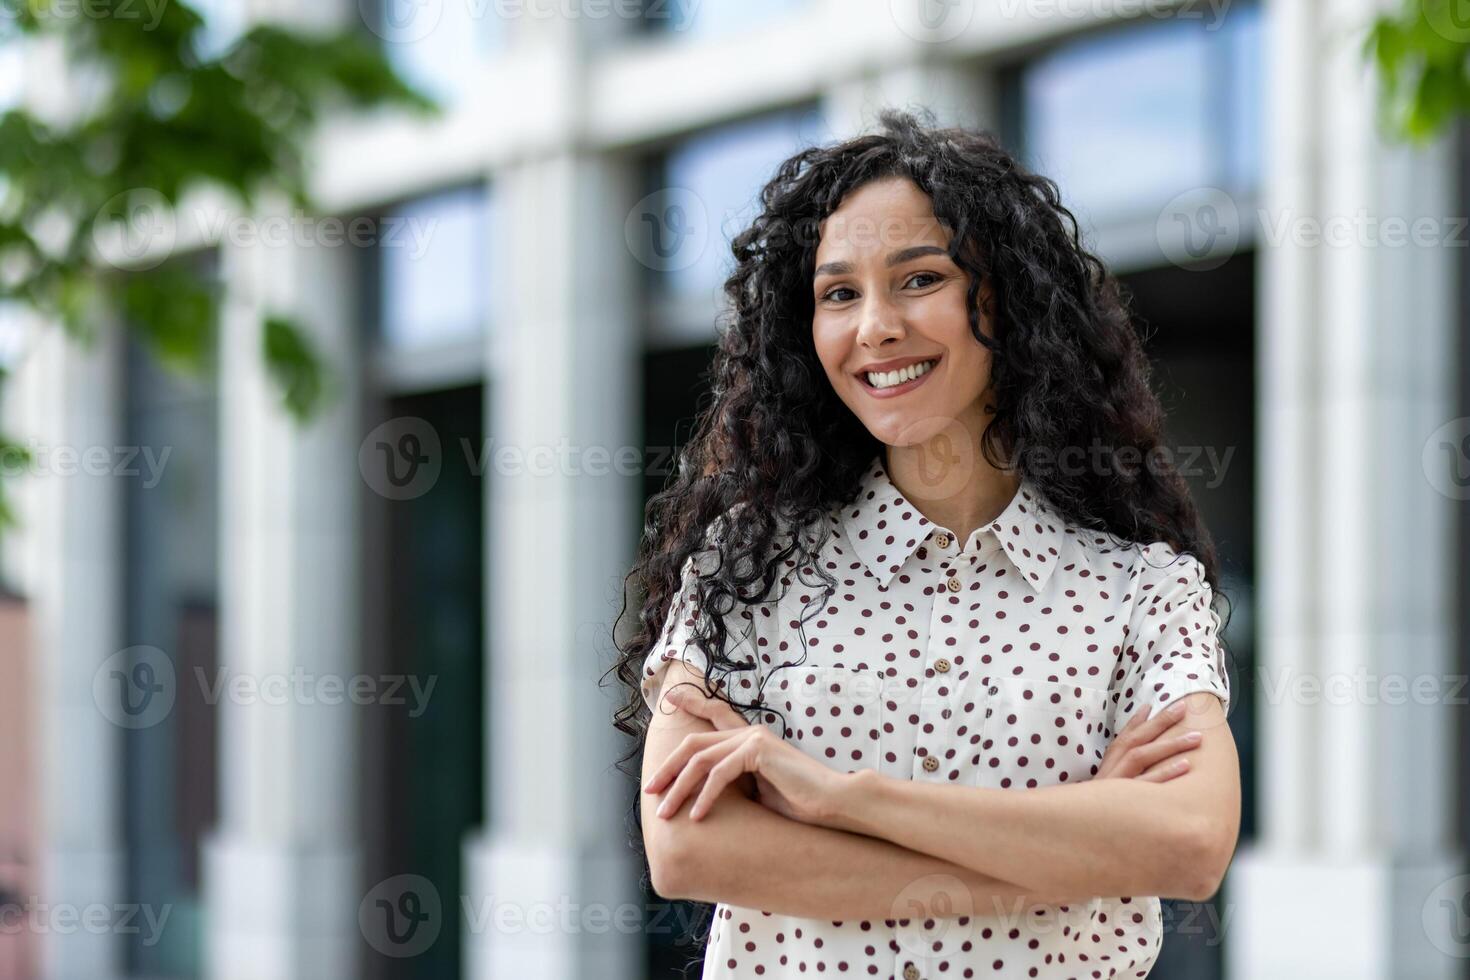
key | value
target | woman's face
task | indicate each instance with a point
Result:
(887, 295)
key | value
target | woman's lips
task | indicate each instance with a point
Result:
(902, 389)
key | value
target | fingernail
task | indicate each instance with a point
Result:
(1192, 736)
(1177, 708)
(1181, 765)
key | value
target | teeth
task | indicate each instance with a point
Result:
(887, 379)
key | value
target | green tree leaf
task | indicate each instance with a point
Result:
(169, 118)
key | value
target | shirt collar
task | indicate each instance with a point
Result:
(886, 529)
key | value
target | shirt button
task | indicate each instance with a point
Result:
(930, 763)
(941, 540)
(942, 665)
(953, 585)
(911, 972)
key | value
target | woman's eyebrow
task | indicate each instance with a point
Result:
(894, 258)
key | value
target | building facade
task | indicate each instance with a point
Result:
(515, 347)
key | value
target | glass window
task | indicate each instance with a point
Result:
(714, 18)
(433, 266)
(1244, 48)
(1177, 99)
(706, 190)
(170, 607)
(437, 47)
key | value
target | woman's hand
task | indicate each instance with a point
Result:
(788, 781)
(795, 785)
(1138, 752)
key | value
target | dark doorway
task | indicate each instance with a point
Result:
(673, 389)
(423, 780)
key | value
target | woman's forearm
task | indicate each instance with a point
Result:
(1101, 837)
(744, 854)
(1098, 837)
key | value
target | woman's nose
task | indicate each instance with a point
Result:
(878, 320)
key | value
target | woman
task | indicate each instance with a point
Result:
(938, 687)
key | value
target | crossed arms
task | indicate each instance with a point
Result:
(894, 848)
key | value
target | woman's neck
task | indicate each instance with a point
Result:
(953, 486)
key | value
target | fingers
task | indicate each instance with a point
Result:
(724, 773)
(694, 772)
(717, 712)
(676, 759)
(1140, 758)
(1140, 730)
(1138, 719)
(1152, 728)
(1166, 770)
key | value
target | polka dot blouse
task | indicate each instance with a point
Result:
(1007, 661)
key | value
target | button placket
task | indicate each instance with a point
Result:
(934, 707)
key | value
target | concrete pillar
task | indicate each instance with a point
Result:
(282, 873)
(282, 870)
(70, 400)
(63, 400)
(552, 879)
(1357, 561)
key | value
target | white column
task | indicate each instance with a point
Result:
(69, 401)
(1356, 557)
(64, 398)
(555, 860)
(282, 871)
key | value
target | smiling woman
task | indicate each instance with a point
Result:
(928, 698)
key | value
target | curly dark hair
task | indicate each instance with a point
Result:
(775, 442)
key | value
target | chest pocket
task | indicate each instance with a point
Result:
(833, 714)
(1040, 733)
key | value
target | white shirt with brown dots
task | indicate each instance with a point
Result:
(1006, 661)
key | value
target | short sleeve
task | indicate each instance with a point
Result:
(676, 641)
(1175, 647)
(742, 626)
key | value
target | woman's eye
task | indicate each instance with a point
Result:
(932, 277)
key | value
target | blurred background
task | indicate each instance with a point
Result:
(342, 343)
